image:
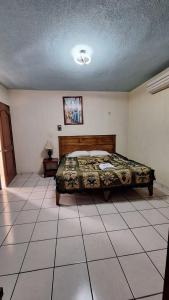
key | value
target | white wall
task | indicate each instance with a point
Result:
(148, 130)
(35, 115)
(140, 121)
(4, 95)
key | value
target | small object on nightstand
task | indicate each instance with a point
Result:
(50, 167)
(49, 148)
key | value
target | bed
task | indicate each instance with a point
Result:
(92, 171)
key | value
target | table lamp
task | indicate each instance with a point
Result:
(49, 149)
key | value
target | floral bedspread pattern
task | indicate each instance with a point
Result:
(79, 173)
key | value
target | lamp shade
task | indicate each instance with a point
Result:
(49, 146)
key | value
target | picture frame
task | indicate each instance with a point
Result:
(73, 110)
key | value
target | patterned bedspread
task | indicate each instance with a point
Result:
(80, 173)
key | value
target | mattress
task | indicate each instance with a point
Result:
(105, 172)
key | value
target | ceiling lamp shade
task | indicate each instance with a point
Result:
(82, 58)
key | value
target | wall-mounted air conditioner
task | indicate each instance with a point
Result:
(159, 82)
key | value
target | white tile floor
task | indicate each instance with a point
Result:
(86, 249)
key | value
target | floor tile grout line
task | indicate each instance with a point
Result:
(139, 211)
(21, 223)
(71, 218)
(149, 251)
(162, 213)
(87, 216)
(10, 228)
(70, 264)
(126, 211)
(15, 181)
(46, 268)
(6, 203)
(90, 283)
(133, 227)
(54, 265)
(24, 256)
(111, 201)
(32, 241)
(70, 236)
(15, 196)
(166, 240)
(45, 221)
(130, 254)
(43, 197)
(150, 223)
(1, 244)
(143, 248)
(153, 225)
(118, 211)
(155, 265)
(149, 295)
(53, 220)
(20, 190)
(146, 199)
(27, 202)
(156, 250)
(79, 235)
(14, 224)
(135, 199)
(23, 261)
(140, 196)
(117, 257)
(153, 209)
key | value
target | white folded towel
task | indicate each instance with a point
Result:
(106, 166)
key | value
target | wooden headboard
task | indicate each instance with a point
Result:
(86, 142)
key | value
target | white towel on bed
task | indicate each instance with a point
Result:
(105, 166)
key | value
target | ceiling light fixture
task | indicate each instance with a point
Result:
(82, 58)
(82, 54)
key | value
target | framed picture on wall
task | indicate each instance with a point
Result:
(73, 110)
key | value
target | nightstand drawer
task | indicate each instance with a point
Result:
(50, 167)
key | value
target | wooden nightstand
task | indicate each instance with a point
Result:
(50, 167)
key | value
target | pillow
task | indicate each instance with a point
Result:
(98, 153)
(78, 153)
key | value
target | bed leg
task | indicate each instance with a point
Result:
(57, 198)
(150, 189)
(106, 195)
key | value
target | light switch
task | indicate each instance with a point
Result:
(59, 127)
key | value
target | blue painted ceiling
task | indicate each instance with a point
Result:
(129, 40)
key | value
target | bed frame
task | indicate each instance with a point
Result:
(69, 144)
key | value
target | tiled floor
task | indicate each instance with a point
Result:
(86, 249)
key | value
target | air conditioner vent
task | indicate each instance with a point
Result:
(159, 82)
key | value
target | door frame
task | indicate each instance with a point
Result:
(3, 172)
(166, 279)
